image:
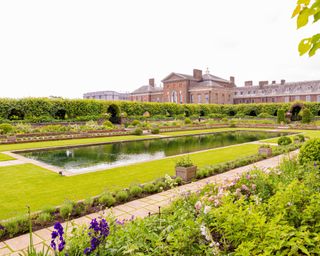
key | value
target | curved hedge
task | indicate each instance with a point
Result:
(33, 108)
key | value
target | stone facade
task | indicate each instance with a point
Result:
(106, 95)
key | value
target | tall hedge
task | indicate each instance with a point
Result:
(38, 107)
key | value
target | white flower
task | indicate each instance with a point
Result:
(207, 209)
(198, 205)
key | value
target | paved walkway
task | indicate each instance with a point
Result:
(139, 208)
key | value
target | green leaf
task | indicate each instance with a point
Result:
(303, 18)
(314, 49)
(305, 2)
(296, 11)
(304, 46)
(316, 17)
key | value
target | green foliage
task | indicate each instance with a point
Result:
(306, 116)
(137, 131)
(66, 210)
(265, 115)
(184, 161)
(107, 199)
(16, 225)
(135, 191)
(281, 116)
(187, 120)
(135, 123)
(299, 138)
(44, 217)
(284, 140)
(304, 10)
(149, 188)
(155, 130)
(309, 152)
(107, 124)
(122, 196)
(6, 128)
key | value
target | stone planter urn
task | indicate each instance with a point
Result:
(186, 173)
(265, 151)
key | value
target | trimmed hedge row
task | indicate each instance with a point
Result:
(46, 109)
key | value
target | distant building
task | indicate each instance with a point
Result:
(106, 95)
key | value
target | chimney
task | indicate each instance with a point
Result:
(151, 82)
(263, 83)
(273, 82)
(232, 80)
(283, 81)
(197, 74)
(248, 83)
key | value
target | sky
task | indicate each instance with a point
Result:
(70, 47)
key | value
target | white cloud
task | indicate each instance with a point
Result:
(66, 48)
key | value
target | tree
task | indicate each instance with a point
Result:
(305, 10)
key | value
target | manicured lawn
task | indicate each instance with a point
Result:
(57, 143)
(4, 157)
(27, 184)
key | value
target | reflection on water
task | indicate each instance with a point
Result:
(90, 158)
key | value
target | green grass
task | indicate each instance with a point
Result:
(31, 185)
(4, 157)
(58, 143)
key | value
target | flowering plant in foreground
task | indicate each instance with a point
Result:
(57, 238)
(98, 232)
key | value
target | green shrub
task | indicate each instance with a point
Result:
(49, 209)
(17, 225)
(107, 124)
(178, 180)
(66, 210)
(184, 161)
(44, 217)
(135, 123)
(281, 116)
(187, 120)
(149, 188)
(160, 186)
(137, 131)
(6, 128)
(107, 199)
(309, 152)
(155, 130)
(299, 138)
(122, 196)
(284, 140)
(306, 116)
(135, 191)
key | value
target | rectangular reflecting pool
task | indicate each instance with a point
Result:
(99, 157)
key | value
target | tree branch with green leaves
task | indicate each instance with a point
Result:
(305, 11)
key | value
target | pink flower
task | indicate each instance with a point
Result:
(198, 205)
(244, 187)
(254, 186)
(238, 192)
(207, 209)
(248, 177)
(211, 198)
(216, 203)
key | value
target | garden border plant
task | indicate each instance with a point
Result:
(47, 217)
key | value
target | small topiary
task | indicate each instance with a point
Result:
(6, 128)
(281, 116)
(107, 124)
(160, 186)
(135, 191)
(306, 116)
(155, 130)
(122, 196)
(284, 140)
(107, 199)
(299, 138)
(135, 122)
(137, 131)
(309, 152)
(187, 120)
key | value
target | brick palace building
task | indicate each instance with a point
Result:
(207, 88)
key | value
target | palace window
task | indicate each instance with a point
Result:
(286, 99)
(174, 97)
(318, 98)
(191, 98)
(308, 98)
(207, 98)
(181, 98)
(199, 98)
(297, 97)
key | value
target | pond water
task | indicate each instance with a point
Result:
(98, 157)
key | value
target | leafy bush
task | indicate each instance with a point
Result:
(135, 123)
(184, 161)
(160, 186)
(281, 116)
(155, 130)
(135, 191)
(49, 209)
(6, 128)
(107, 199)
(16, 225)
(306, 116)
(137, 131)
(44, 217)
(66, 210)
(107, 124)
(187, 120)
(284, 140)
(309, 153)
(299, 138)
(122, 196)
(149, 188)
